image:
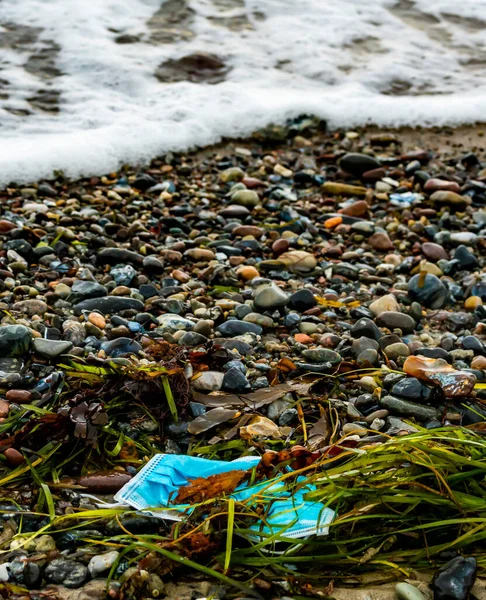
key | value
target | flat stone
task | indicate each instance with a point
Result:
(433, 184)
(259, 319)
(120, 346)
(322, 355)
(192, 338)
(109, 305)
(450, 199)
(118, 255)
(51, 348)
(464, 237)
(357, 164)
(82, 290)
(173, 322)
(30, 307)
(342, 189)
(396, 320)
(18, 396)
(200, 254)
(234, 327)
(408, 409)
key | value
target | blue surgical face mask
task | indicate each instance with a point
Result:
(286, 513)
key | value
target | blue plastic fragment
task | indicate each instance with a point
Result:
(405, 199)
(287, 513)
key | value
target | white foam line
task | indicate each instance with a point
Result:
(331, 58)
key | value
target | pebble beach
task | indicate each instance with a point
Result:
(293, 274)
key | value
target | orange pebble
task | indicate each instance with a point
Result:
(303, 338)
(247, 273)
(472, 302)
(478, 362)
(333, 222)
(97, 319)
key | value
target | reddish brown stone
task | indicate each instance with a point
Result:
(433, 184)
(434, 252)
(253, 182)
(357, 209)
(280, 246)
(4, 408)
(14, 457)
(380, 241)
(374, 174)
(18, 396)
(243, 230)
(6, 226)
(420, 155)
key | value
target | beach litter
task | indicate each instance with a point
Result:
(168, 481)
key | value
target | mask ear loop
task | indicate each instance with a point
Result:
(103, 504)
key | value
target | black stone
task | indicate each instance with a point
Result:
(230, 250)
(433, 353)
(302, 300)
(108, 304)
(66, 572)
(114, 256)
(148, 290)
(357, 164)
(143, 182)
(466, 259)
(242, 347)
(396, 320)
(235, 381)
(120, 346)
(412, 389)
(471, 342)
(366, 328)
(22, 247)
(15, 340)
(428, 290)
(235, 327)
(455, 579)
(192, 338)
(44, 189)
(83, 290)
(151, 264)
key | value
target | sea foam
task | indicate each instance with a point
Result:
(348, 61)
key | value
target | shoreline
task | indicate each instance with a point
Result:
(445, 140)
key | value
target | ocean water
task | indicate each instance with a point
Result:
(87, 85)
